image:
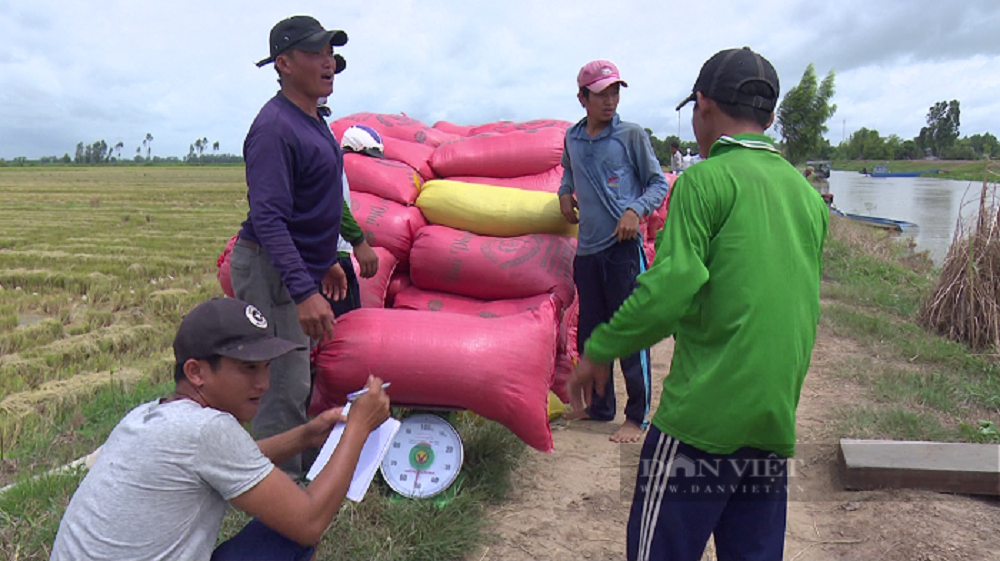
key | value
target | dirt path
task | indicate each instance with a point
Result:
(573, 504)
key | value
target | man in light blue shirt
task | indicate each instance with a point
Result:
(613, 179)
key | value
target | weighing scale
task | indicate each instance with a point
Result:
(424, 457)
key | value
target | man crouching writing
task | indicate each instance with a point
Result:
(160, 485)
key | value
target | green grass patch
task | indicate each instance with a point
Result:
(386, 526)
(896, 338)
(893, 423)
(968, 170)
(31, 509)
(926, 387)
(30, 515)
(76, 428)
(870, 268)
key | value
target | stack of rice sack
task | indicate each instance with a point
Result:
(474, 304)
(383, 190)
(501, 181)
(475, 321)
(521, 155)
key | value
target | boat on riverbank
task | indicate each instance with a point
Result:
(883, 171)
(819, 168)
(888, 224)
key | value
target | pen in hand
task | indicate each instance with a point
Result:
(354, 395)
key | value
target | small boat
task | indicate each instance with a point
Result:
(820, 168)
(877, 222)
(883, 171)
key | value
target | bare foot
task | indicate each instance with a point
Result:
(627, 433)
(576, 415)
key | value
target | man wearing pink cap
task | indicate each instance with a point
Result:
(736, 283)
(612, 179)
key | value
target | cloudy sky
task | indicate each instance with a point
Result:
(73, 70)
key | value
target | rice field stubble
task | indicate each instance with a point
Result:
(97, 266)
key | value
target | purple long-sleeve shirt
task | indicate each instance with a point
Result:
(294, 167)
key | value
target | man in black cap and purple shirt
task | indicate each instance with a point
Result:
(160, 485)
(286, 257)
(736, 283)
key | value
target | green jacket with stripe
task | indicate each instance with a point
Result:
(736, 283)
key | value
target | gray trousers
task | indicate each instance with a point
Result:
(283, 407)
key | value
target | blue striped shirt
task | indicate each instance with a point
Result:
(609, 174)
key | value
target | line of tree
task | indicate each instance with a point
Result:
(67, 160)
(100, 152)
(939, 139)
(197, 150)
(97, 152)
(215, 159)
(802, 116)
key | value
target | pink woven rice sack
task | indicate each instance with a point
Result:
(512, 154)
(547, 181)
(503, 127)
(417, 156)
(400, 281)
(224, 274)
(500, 368)
(388, 179)
(413, 298)
(387, 224)
(488, 268)
(399, 127)
(452, 128)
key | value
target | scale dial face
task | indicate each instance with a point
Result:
(424, 458)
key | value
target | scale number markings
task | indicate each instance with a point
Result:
(424, 458)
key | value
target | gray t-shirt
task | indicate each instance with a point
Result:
(159, 488)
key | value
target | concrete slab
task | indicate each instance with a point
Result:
(935, 466)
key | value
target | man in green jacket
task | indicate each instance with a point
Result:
(736, 283)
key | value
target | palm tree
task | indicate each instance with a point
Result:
(149, 145)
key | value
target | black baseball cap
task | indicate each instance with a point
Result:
(231, 328)
(723, 75)
(306, 34)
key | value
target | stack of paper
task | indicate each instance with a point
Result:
(368, 463)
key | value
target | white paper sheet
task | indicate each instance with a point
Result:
(368, 463)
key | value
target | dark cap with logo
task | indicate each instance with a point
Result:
(724, 75)
(231, 328)
(306, 34)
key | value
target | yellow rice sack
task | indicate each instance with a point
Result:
(556, 407)
(489, 210)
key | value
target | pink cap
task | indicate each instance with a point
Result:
(598, 74)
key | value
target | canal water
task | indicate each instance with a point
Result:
(932, 204)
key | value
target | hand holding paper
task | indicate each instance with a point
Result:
(371, 404)
(371, 408)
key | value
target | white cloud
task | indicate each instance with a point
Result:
(74, 71)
